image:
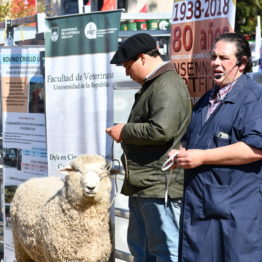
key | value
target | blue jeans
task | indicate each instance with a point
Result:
(153, 230)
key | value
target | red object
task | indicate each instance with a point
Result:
(142, 22)
(144, 9)
(87, 3)
(109, 5)
(31, 2)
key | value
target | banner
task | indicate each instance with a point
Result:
(195, 25)
(79, 85)
(24, 137)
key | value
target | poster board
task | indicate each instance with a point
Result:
(79, 85)
(23, 121)
(195, 25)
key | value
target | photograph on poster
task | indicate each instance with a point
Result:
(10, 157)
(37, 95)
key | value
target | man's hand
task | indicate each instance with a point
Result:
(115, 132)
(190, 158)
(235, 154)
(187, 158)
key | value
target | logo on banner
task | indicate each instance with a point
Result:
(91, 30)
(54, 34)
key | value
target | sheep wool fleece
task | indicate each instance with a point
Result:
(53, 220)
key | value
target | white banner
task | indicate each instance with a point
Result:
(79, 85)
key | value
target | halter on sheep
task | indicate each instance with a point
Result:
(60, 221)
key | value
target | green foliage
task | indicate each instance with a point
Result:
(246, 15)
(4, 10)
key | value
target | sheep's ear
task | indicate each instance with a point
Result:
(65, 170)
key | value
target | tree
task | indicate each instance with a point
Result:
(20, 8)
(4, 10)
(246, 15)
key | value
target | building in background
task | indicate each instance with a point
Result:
(63, 7)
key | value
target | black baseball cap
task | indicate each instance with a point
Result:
(132, 47)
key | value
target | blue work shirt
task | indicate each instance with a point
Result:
(222, 216)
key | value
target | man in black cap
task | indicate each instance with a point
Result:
(157, 122)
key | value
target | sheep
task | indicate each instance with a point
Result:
(64, 220)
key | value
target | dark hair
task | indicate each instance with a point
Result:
(154, 53)
(243, 48)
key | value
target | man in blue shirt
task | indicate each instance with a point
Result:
(222, 209)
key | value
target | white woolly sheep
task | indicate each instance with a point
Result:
(64, 220)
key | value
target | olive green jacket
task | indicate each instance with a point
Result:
(157, 122)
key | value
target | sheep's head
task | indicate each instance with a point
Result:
(88, 179)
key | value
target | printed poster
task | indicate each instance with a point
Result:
(23, 121)
(195, 25)
(79, 85)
